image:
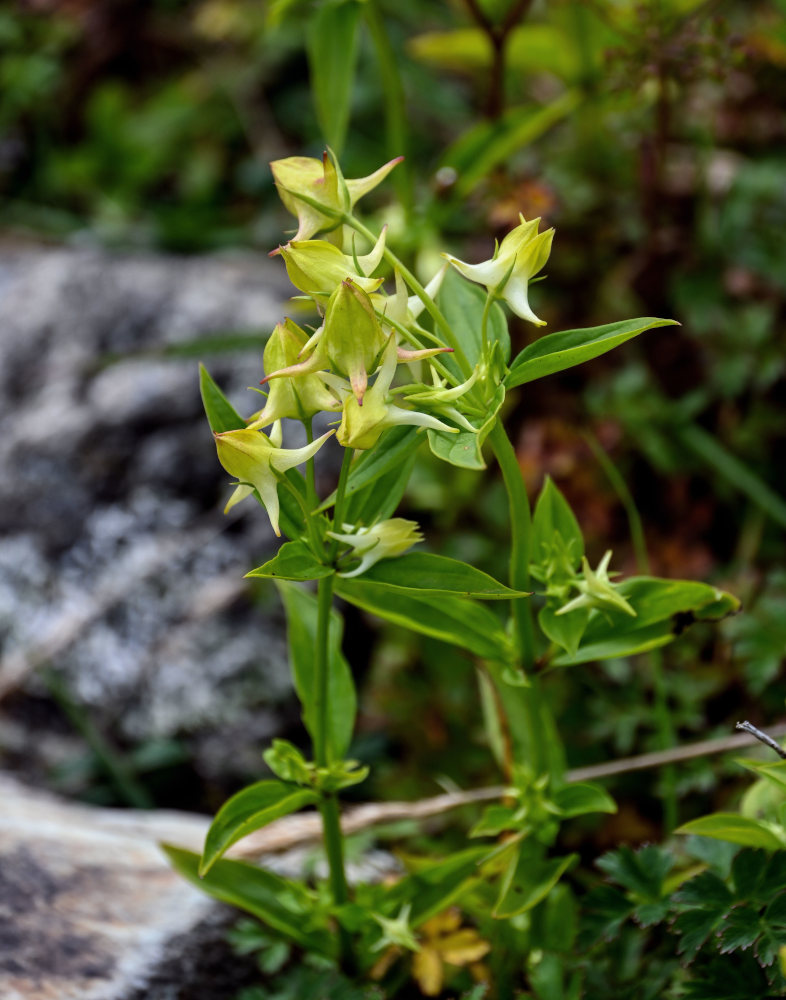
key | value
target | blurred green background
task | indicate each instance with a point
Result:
(652, 135)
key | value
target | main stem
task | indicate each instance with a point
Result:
(532, 725)
(328, 807)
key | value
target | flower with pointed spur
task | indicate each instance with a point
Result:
(255, 459)
(296, 398)
(519, 257)
(362, 423)
(384, 540)
(596, 590)
(316, 267)
(317, 192)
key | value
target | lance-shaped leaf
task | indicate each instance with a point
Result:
(250, 810)
(451, 619)
(423, 571)
(528, 880)
(285, 906)
(736, 829)
(221, 415)
(293, 561)
(664, 609)
(558, 351)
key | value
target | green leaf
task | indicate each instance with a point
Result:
(640, 872)
(461, 450)
(528, 881)
(566, 630)
(462, 304)
(557, 351)
(393, 449)
(331, 44)
(553, 516)
(294, 561)
(736, 829)
(380, 499)
(450, 619)
(221, 415)
(581, 797)
(426, 573)
(250, 810)
(739, 929)
(465, 449)
(694, 927)
(747, 871)
(774, 773)
(301, 608)
(664, 609)
(285, 906)
(435, 885)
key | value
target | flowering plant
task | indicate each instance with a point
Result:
(392, 371)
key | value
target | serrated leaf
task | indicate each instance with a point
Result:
(221, 415)
(425, 573)
(293, 561)
(286, 907)
(450, 619)
(649, 914)
(581, 797)
(694, 927)
(705, 890)
(640, 872)
(747, 871)
(251, 809)
(605, 911)
(735, 829)
(301, 608)
(557, 351)
(738, 929)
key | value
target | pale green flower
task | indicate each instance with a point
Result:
(596, 590)
(518, 258)
(384, 540)
(254, 459)
(321, 182)
(317, 267)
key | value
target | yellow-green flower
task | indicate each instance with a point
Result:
(321, 182)
(518, 258)
(362, 423)
(317, 267)
(297, 398)
(254, 459)
(384, 540)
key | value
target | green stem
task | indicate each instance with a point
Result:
(532, 725)
(520, 530)
(341, 499)
(431, 307)
(328, 807)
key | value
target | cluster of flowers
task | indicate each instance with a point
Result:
(364, 333)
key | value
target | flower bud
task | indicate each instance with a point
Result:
(316, 267)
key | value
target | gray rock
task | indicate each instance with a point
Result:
(117, 567)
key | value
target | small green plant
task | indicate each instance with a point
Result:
(393, 369)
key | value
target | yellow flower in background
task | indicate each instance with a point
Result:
(443, 941)
(518, 258)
